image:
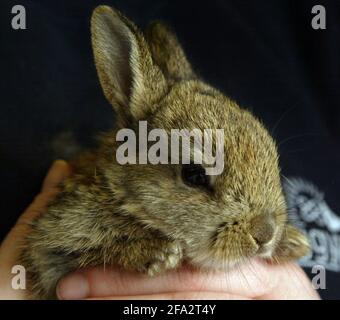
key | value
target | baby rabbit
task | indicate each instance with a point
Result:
(149, 218)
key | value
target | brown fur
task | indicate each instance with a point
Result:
(143, 217)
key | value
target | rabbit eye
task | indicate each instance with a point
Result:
(194, 175)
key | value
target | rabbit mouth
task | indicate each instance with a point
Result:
(228, 248)
(266, 251)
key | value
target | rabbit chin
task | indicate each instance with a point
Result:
(207, 260)
(211, 263)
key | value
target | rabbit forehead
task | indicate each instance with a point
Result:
(194, 105)
(250, 154)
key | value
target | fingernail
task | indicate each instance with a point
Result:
(58, 171)
(59, 162)
(73, 287)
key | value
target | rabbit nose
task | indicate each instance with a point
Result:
(262, 229)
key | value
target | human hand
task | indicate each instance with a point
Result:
(256, 280)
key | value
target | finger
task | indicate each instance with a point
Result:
(59, 171)
(249, 280)
(293, 285)
(191, 295)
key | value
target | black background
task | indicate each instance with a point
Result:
(264, 54)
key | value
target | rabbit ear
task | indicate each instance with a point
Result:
(130, 80)
(167, 52)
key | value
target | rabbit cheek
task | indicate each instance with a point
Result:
(231, 244)
(234, 243)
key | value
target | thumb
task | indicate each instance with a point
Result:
(58, 172)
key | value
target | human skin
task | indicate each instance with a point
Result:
(253, 280)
